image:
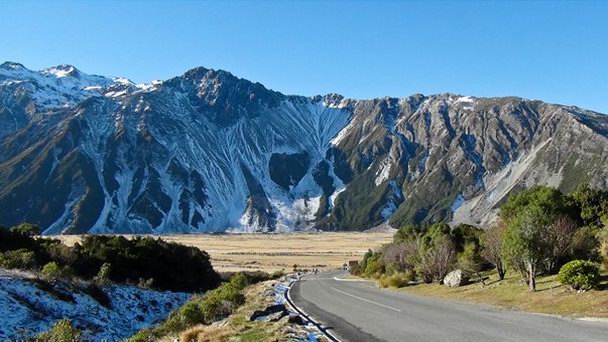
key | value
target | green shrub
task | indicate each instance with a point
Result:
(374, 266)
(27, 229)
(52, 271)
(61, 331)
(276, 275)
(190, 314)
(580, 275)
(397, 280)
(22, 259)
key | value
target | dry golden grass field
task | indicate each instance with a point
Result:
(272, 252)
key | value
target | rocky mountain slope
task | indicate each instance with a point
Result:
(209, 152)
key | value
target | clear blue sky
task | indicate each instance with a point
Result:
(553, 51)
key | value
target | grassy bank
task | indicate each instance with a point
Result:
(223, 315)
(551, 297)
(237, 327)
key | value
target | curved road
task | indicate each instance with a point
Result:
(359, 311)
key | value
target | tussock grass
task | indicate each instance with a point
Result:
(205, 333)
(396, 280)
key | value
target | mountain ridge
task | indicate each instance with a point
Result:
(208, 151)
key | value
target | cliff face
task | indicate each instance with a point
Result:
(208, 152)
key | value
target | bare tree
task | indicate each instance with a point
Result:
(437, 259)
(492, 248)
(394, 254)
(401, 255)
(561, 236)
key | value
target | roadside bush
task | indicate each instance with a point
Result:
(470, 261)
(190, 314)
(466, 234)
(580, 275)
(356, 269)
(254, 277)
(52, 271)
(399, 256)
(213, 306)
(61, 331)
(22, 259)
(374, 267)
(586, 245)
(397, 280)
(276, 275)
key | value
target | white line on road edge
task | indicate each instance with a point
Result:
(366, 300)
(343, 279)
(319, 326)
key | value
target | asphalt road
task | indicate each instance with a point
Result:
(358, 311)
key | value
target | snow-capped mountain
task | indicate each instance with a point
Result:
(207, 152)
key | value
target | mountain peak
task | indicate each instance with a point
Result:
(11, 65)
(60, 71)
(199, 73)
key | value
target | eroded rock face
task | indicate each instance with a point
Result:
(455, 278)
(209, 152)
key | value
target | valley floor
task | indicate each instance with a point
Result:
(274, 252)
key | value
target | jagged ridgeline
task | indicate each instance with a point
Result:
(209, 152)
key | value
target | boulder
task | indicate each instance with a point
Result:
(272, 313)
(275, 317)
(455, 278)
(295, 319)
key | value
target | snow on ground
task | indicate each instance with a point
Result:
(28, 308)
